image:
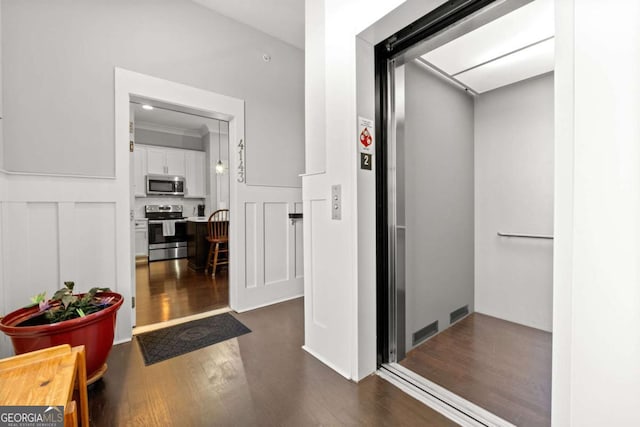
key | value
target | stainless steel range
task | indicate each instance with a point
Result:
(167, 232)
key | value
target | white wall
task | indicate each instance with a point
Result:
(596, 345)
(514, 193)
(338, 316)
(58, 94)
(437, 160)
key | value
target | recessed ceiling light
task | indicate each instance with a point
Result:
(147, 107)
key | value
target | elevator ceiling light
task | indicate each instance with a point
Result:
(523, 64)
(521, 39)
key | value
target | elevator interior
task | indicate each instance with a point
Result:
(470, 209)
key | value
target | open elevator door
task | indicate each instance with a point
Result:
(416, 174)
(425, 195)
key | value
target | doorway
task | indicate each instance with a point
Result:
(465, 219)
(179, 178)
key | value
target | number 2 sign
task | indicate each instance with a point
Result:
(366, 142)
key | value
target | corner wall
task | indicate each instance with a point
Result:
(514, 145)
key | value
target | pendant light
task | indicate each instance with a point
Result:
(219, 165)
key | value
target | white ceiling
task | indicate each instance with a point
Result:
(514, 47)
(282, 19)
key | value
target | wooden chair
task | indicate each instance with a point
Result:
(218, 238)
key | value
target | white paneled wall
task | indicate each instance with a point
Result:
(5, 344)
(299, 245)
(276, 242)
(251, 242)
(272, 253)
(57, 229)
(48, 243)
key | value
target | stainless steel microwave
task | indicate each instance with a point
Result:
(163, 185)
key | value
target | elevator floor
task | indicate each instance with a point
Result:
(501, 366)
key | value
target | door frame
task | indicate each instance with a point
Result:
(227, 108)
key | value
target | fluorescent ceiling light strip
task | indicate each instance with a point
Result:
(503, 56)
(523, 26)
(524, 64)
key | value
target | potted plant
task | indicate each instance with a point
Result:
(82, 319)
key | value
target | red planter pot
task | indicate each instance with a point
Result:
(95, 331)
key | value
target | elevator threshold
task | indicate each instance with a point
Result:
(449, 404)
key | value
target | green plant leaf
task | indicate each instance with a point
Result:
(68, 299)
(93, 291)
(40, 297)
(80, 312)
(37, 299)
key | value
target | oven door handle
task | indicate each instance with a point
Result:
(160, 221)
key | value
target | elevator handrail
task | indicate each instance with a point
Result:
(526, 236)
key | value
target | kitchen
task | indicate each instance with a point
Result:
(179, 178)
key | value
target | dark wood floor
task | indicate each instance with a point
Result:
(167, 290)
(262, 378)
(501, 366)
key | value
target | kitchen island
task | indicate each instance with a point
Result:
(197, 244)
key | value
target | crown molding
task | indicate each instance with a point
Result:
(155, 127)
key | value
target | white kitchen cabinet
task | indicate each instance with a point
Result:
(140, 171)
(175, 162)
(165, 161)
(142, 238)
(195, 176)
(156, 161)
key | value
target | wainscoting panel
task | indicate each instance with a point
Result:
(94, 250)
(43, 244)
(276, 243)
(251, 245)
(298, 272)
(267, 242)
(50, 243)
(5, 343)
(30, 252)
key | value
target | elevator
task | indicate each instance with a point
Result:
(465, 208)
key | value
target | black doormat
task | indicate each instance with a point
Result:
(173, 341)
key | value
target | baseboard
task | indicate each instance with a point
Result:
(270, 303)
(326, 362)
(122, 341)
